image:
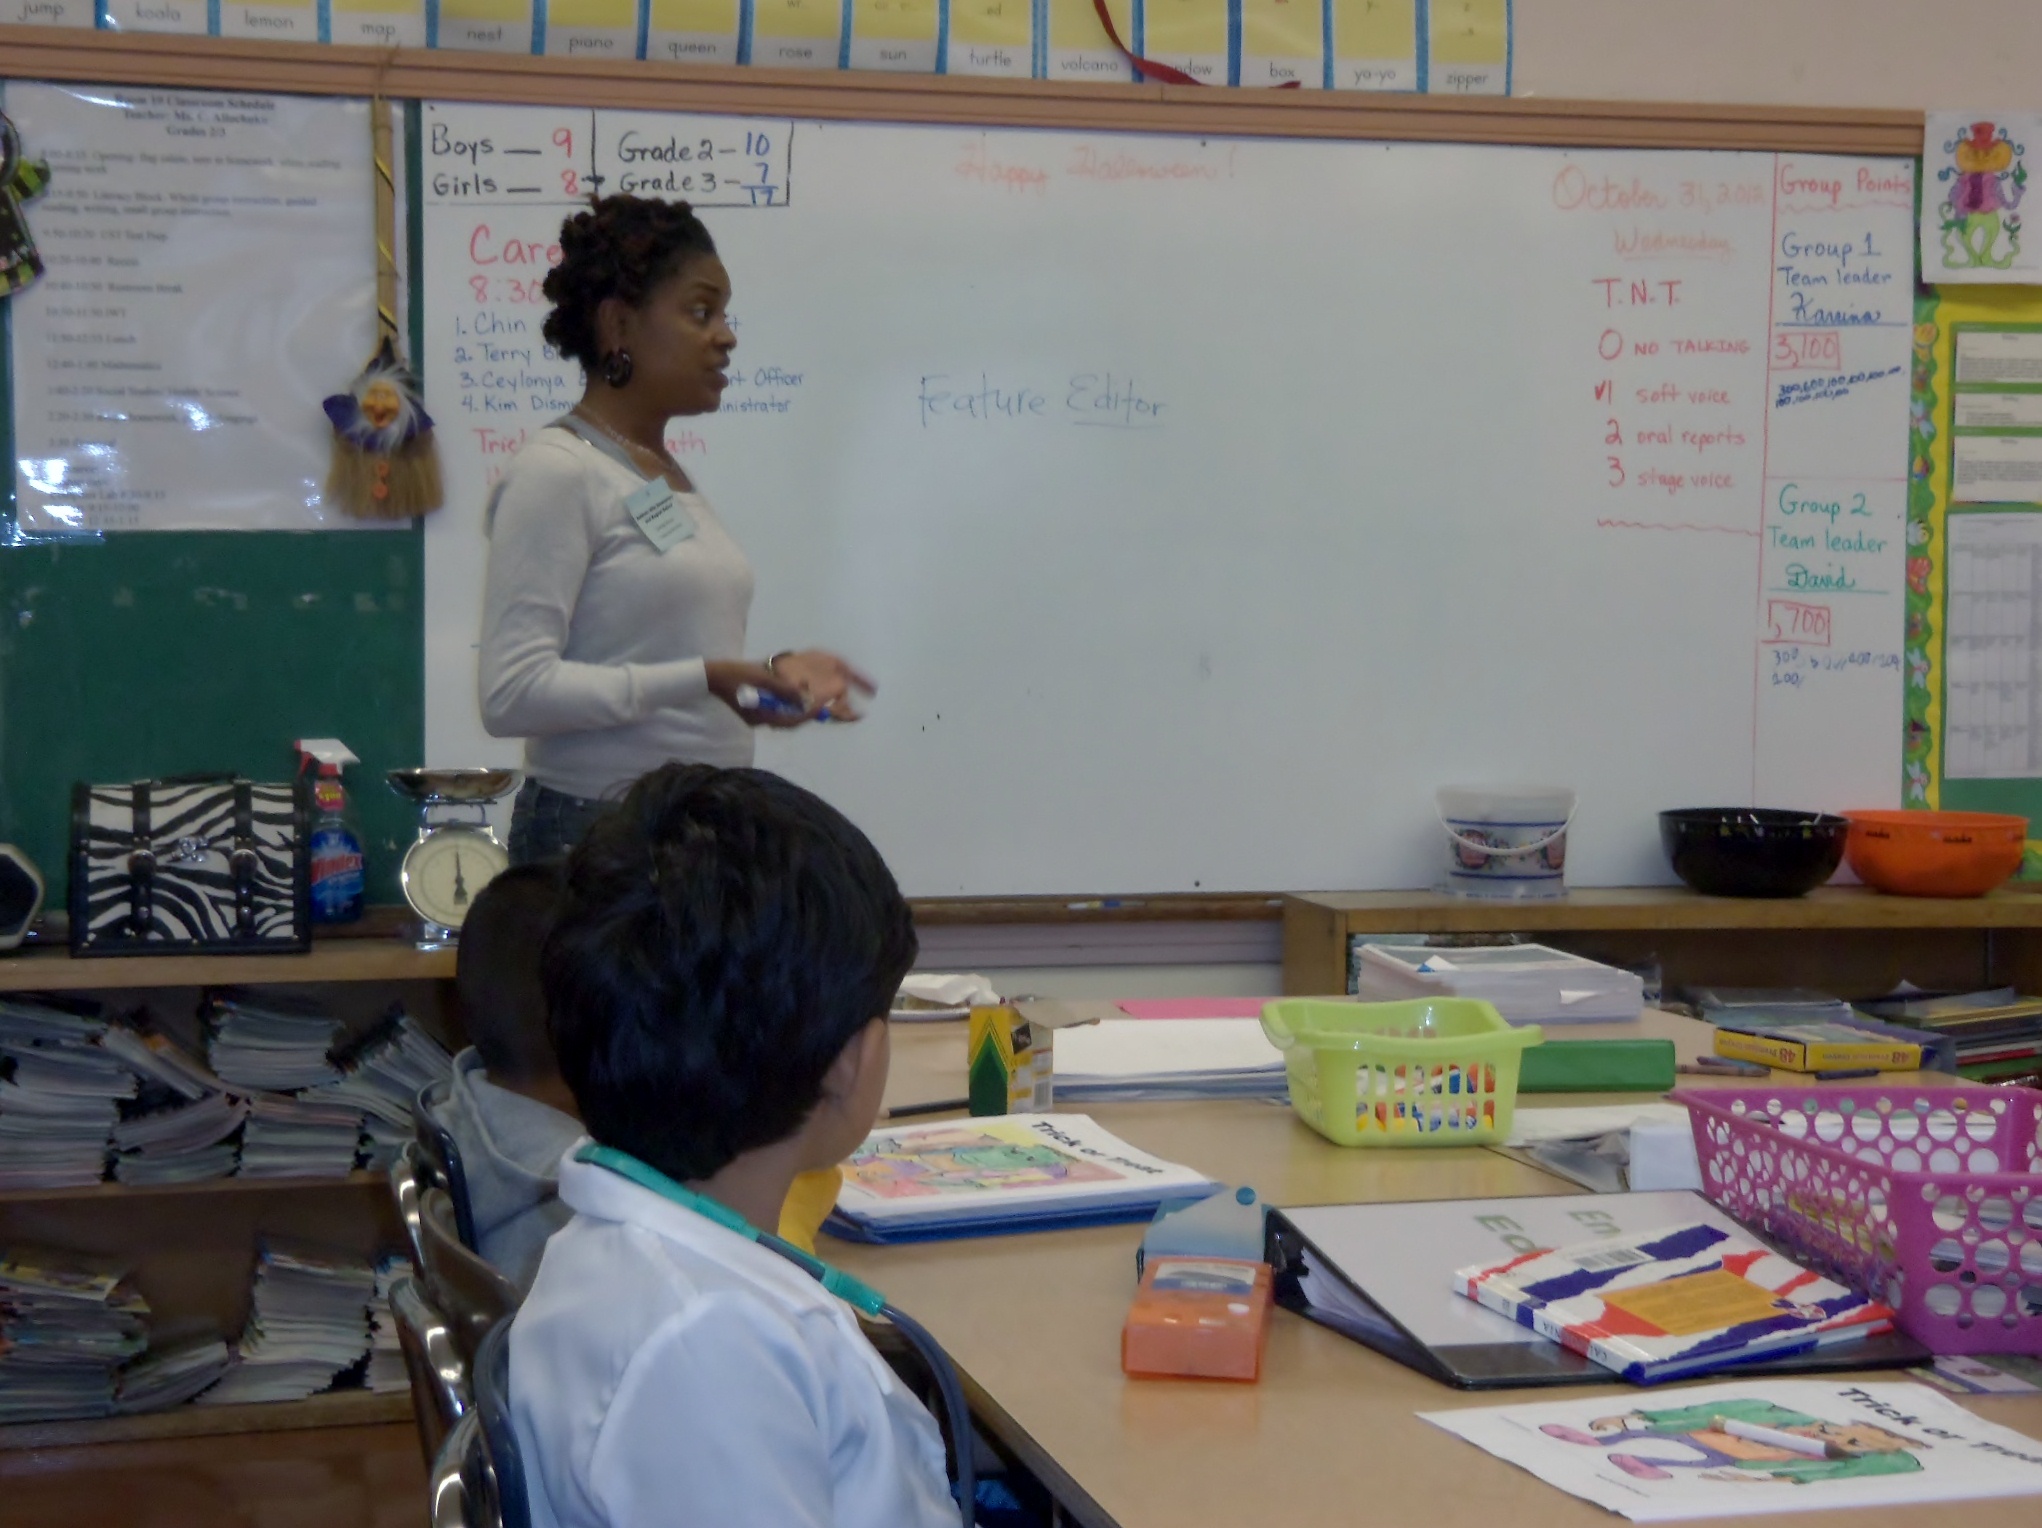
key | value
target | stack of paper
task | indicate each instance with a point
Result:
(180, 1142)
(288, 1137)
(67, 1324)
(159, 1058)
(1117, 1060)
(386, 1369)
(173, 1371)
(1527, 983)
(59, 1097)
(269, 1043)
(1674, 1303)
(309, 1323)
(1014, 1172)
(382, 1071)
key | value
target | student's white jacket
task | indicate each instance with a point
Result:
(665, 1370)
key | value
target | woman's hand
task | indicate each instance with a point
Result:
(727, 676)
(823, 679)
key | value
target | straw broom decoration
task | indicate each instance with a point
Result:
(385, 466)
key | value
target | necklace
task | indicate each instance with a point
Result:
(661, 456)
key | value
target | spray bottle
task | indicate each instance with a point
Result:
(337, 866)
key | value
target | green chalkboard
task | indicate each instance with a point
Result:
(164, 653)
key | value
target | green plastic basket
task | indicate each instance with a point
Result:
(1430, 1072)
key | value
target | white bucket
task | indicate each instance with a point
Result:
(1506, 842)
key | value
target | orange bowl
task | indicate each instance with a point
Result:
(1935, 854)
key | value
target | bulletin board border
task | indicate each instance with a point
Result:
(52, 53)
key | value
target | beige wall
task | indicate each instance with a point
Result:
(1895, 53)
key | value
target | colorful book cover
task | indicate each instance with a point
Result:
(1375, 44)
(591, 28)
(376, 23)
(1672, 1303)
(895, 34)
(1008, 1168)
(1816, 1048)
(692, 31)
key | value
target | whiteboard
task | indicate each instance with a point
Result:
(1201, 505)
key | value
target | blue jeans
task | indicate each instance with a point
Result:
(546, 823)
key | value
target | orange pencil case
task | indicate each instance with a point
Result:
(1198, 1318)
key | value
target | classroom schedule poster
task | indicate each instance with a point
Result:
(211, 278)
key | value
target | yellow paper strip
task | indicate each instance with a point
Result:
(992, 23)
(1474, 33)
(1074, 25)
(611, 15)
(705, 16)
(1177, 28)
(508, 11)
(1281, 40)
(894, 20)
(807, 20)
(1375, 29)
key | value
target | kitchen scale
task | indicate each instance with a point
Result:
(457, 853)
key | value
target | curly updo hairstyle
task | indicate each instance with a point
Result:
(622, 247)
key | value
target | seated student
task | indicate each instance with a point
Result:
(508, 1111)
(718, 977)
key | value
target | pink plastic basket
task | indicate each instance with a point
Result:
(1929, 1198)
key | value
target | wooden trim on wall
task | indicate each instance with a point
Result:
(211, 63)
(1161, 907)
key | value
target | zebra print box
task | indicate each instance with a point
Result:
(215, 866)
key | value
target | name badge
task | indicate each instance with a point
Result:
(660, 514)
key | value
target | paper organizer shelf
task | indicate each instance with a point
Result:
(1927, 1198)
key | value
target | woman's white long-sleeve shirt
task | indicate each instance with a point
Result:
(594, 642)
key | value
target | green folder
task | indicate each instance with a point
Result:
(1597, 1066)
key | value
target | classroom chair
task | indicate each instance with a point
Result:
(440, 1153)
(467, 1288)
(409, 1177)
(478, 1480)
(439, 1380)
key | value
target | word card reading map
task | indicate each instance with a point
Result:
(211, 277)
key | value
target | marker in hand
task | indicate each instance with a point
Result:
(751, 698)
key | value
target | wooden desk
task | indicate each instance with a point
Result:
(1331, 1432)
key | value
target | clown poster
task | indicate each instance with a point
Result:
(1975, 172)
(1759, 1446)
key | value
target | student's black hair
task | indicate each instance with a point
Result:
(496, 973)
(622, 247)
(722, 935)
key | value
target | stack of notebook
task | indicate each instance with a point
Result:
(1996, 1035)
(382, 1071)
(298, 1137)
(67, 1324)
(269, 1043)
(386, 1369)
(1122, 1060)
(180, 1142)
(1010, 1172)
(1527, 983)
(60, 1095)
(176, 1369)
(308, 1324)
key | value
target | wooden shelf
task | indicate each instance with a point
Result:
(96, 1192)
(344, 1408)
(1667, 907)
(329, 960)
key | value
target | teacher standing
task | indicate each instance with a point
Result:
(613, 616)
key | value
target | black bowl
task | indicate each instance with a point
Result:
(1746, 851)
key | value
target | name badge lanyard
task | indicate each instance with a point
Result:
(853, 1291)
(654, 505)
